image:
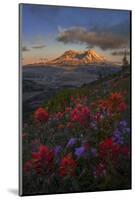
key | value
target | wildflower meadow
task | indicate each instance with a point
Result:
(80, 140)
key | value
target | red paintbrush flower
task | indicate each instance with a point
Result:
(59, 115)
(116, 102)
(80, 114)
(41, 115)
(68, 166)
(122, 107)
(42, 160)
(103, 105)
(125, 151)
(109, 150)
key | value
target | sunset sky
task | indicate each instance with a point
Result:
(48, 31)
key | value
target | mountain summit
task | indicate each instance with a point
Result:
(72, 57)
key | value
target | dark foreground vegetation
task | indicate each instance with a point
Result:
(80, 140)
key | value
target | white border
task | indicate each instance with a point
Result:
(9, 97)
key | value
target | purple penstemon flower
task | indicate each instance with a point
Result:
(80, 152)
(123, 123)
(117, 133)
(57, 150)
(117, 137)
(120, 132)
(123, 127)
(127, 130)
(71, 142)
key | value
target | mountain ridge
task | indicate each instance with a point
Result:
(72, 57)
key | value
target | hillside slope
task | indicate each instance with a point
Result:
(100, 89)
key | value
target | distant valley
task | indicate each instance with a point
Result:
(42, 82)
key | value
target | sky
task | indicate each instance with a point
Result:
(49, 31)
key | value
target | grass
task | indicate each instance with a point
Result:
(119, 82)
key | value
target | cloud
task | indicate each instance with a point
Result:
(120, 53)
(38, 46)
(114, 37)
(24, 48)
